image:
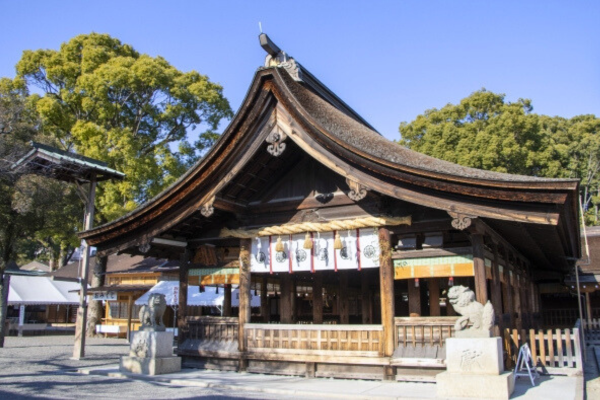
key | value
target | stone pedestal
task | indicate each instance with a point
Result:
(151, 353)
(475, 369)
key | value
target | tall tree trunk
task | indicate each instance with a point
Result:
(95, 309)
(4, 283)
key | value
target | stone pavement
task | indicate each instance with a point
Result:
(39, 367)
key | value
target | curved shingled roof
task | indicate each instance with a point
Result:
(342, 131)
(363, 139)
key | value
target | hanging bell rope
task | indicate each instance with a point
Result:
(291, 229)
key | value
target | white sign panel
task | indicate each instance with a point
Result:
(260, 260)
(360, 249)
(104, 296)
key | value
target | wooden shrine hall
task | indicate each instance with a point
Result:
(350, 240)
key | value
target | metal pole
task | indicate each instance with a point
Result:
(80, 326)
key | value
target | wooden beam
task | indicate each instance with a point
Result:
(318, 298)
(479, 268)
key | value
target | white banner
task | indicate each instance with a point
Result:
(360, 250)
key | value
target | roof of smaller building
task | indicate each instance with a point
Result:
(29, 290)
(35, 266)
(62, 165)
(122, 264)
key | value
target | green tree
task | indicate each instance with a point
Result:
(103, 99)
(25, 202)
(484, 131)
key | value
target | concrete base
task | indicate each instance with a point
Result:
(150, 366)
(475, 385)
(474, 356)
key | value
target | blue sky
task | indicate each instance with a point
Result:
(389, 60)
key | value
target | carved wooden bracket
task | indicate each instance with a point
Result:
(207, 208)
(461, 221)
(357, 191)
(145, 246)
(276, 142)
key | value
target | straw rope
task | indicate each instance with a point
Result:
(341, 225)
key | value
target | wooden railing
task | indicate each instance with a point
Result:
(555, 350)
(342, 340)
(213, 329)
(591, 328)
(423, 331)
(559, 317)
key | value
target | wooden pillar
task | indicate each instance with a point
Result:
(517, 301)
(507, 292)
(344, 302)
(450, 311)
(318, 298)
(365, 291)
(479, 268)
(588, 305)
(294, 299)
(183, 293)
(245, 298)
(386, 278)
(129, 312)
(227, 301)
(285, 303)
(434, 297)
(265, 311)
(414, 297)
(496, 287)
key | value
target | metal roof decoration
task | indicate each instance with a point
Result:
(62, 165)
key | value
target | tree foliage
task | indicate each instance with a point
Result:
(487, 132)
(103, 99)
(34, 212)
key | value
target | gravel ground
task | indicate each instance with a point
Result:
(40, 367)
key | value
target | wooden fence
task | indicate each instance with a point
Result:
(343, 340)
(557, 351)
(213, 329)
(423, 331)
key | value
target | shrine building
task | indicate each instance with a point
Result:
(351, 240)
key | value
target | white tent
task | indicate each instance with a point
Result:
(29, 290)
(208, 298)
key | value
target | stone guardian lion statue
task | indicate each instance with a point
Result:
(151, 314)
(481, 317)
